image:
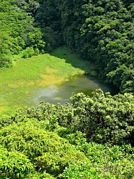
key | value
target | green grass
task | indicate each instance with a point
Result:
(18, 83)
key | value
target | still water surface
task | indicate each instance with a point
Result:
(62, 93)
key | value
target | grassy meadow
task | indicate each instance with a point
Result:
(18, 83)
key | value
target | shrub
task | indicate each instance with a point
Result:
(38, 175)
(81, 172)
(29, 52)
(14, 165)
(46, 149)
(102, 117)
(105, 162)
(5, 61)
(55, 161)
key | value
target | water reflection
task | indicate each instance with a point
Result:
(62, 93)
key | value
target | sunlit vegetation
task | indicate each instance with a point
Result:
(17, 33)
(101, 32)
(18, 83)
(90, 137)
(49, 140)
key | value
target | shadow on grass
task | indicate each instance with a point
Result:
(73, 59)
(90, 70)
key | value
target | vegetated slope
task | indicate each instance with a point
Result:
(46, 142)
(56, 141)
(18, 32)
(100, 31)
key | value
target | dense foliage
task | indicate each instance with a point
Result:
(100, 31)
(18, 33)
(102, 117)
(57, 141)
(90, 137)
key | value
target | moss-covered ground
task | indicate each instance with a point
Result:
(18, 82)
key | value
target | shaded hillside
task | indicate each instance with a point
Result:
(100, 31)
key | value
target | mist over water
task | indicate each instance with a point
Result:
(62, 93)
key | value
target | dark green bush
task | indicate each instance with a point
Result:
(100, 31)
(29, 52)
(104, 118)
(5, 61)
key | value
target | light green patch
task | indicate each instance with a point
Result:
(18, 83)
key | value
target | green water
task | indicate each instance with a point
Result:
(46, 78)
(62, 93)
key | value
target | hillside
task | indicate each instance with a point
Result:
(44, 45)
(101, 32)
(50, 141)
